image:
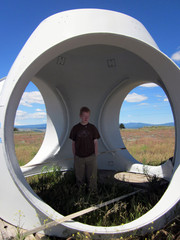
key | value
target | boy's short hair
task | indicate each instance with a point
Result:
(84, 109)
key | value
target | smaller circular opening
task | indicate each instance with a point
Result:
(29, 124)
(147, 124)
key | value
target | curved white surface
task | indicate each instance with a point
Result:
(84, 57)
(1, 84)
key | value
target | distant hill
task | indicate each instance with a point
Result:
(37, 127)
(141, 125)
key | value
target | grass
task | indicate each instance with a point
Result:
(71, 199)
(27, 145)
(150, 145)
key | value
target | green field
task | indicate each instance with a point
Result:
(150, 145)
(27, 145)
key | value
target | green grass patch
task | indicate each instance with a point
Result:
(59, 191)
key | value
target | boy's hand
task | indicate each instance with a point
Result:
(73, 148)
(96, 146)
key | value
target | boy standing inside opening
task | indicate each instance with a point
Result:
(84, 136)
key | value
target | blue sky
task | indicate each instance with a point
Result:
(146, 104)
(18, 19)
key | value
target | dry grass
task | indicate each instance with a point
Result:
(27, 145)
(150, 145)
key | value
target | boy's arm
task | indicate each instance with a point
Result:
(73, 148)
(96, 146)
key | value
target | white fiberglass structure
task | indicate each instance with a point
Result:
(94, 58)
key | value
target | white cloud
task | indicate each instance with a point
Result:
(21, 115)
(28, 98)
(176, 56)
(17, 123)
(149, 85)
(143, 104)
(134, 97)
(39, 110)
(37, 115)
(159, 96)
(166, 100)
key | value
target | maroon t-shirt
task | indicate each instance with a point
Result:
(83, 136)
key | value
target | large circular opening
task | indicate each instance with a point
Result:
(117, 80)
(147, 125)
(88, 70)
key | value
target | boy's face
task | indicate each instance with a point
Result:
(85, 117)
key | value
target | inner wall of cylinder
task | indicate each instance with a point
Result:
(85, 76)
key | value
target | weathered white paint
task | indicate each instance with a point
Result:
(84, 57)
